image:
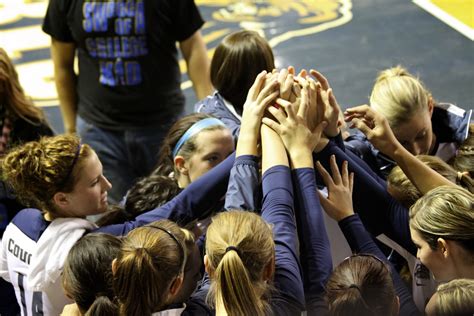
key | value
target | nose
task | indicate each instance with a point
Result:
(414, 148)
(106, 185)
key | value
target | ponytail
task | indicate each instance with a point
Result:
(234, 288)
(102, 306)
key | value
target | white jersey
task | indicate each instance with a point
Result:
(32, 255)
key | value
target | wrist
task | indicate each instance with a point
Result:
(301, 158)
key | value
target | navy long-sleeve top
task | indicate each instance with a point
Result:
(360, 241)
(378, 210)
(315, 252)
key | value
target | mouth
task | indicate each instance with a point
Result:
(104, 198)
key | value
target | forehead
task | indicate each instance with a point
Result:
(90, 167)
(217, 137)
(417, 123)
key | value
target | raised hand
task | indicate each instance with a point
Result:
(293, 127)
(259, 97)
(326, 96)
(375, 126)
(338, 203)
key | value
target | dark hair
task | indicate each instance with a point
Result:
(148, 193)
(360, 285)
(87, 274)
(240, 57)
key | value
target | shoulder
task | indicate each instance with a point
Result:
(451, 123)
(212, 104)
(30, 222)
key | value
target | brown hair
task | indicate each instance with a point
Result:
(12, 95)
(360, 285)
(39, 169)
(165, 163)
(237, 273)
(464, 159)
(149, 261)
(87, 274)
(240, 57)
(409, 194)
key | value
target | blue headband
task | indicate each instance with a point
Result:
(195, 129)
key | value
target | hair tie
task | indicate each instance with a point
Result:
(74, 161)
(195, 129)
(230, 248)
(354, 286)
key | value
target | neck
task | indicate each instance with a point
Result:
(183, 181)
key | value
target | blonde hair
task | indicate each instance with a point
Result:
(447, 212)
(237, 272)
(39, 169)
(455, 298)
(409, 194)
(398, 95)
(150, 259)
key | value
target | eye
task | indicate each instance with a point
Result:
(421, 135)
(212, 158)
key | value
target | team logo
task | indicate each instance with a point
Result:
(277, 20)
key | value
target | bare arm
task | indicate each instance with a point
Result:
(379, 133)
(195, 54)
(63, 54)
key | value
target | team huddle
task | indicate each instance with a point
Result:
(234, 209)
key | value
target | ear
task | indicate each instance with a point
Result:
(60, 199)
(114, 266)
(443, 246)
(176, 285)
(269, 270)
(430, 106)
(180, 164)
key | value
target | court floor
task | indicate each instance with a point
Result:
(349, 41)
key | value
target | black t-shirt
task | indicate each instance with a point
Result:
(129, 75)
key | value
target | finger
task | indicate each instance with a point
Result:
(345, 174)
(269, 99)
(304, 104)
(351, 181)
(286, 105)
(324, 174)
(290, 111)
(288, 83)
(303, 73)
(336, 175)
(362, 126)
(291, 70)
(296, 89)
(257, 86)
(272, 124)
(325, 203)
(282, 75)
(319, 76)
(267, 90)
(279, 114)
(364, 110)
(333, 102)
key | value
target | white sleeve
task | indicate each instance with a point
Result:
(3, 260)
